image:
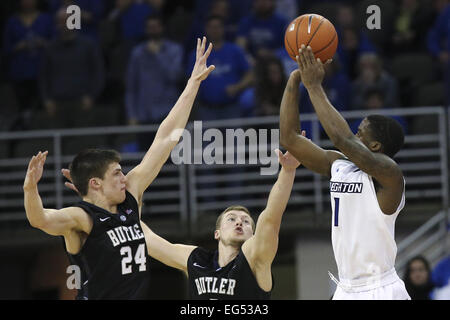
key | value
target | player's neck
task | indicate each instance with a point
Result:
(227, 253)
(101, 201)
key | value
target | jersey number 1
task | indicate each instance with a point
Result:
(139, 258)
(336, 211)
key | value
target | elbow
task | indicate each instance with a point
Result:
(285, 140)
(36, 224)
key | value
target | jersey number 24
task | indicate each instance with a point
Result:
(139, 258)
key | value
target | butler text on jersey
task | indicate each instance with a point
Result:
(123, 234)
(215, 285)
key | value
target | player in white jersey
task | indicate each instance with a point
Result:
(366, 185)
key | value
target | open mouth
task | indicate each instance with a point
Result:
(239, 230)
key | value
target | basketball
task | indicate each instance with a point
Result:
(311, 30)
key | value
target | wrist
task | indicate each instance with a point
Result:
(290, 171)
(194, 81)
(30, 187)
(314, 88)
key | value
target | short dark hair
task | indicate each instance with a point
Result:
(91, 163)
(388, 131)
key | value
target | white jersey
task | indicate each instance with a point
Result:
(362, 235)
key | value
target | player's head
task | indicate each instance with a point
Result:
(234, 226)
(99, 171)
(381, 134)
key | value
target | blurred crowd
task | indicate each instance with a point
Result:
(424, 283)
(129, 61)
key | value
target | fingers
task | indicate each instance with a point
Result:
(301, 57)
(206, 73)
(299, 61)
(208, 51)
(198, 47)
(66, 174)
(71, 186)
(202, 47)
(309, 56)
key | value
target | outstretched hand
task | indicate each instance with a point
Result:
(35, 170)
(311, 69)
(70, 185)
(201, 71)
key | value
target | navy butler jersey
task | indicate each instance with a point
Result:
(236, 281)
(113, 259)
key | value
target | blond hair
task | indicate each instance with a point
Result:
(232, 208)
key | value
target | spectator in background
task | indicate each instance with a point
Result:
(411, 23)
(289, 64)
(218, 8)
(270, 83)
(287, 8)
(374, 100)
(25, 37)
(91, 14)
(441, 279)
(353, 42)
(263, 31)
(438, 43)
(71, 76)
(237, 9)
(153, 73)
(218, 97)
(130, 16)
(370, 75)
(417, 278)
(336, 84)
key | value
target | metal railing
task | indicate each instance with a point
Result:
(189, 191)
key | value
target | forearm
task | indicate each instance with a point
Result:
(281, 192)
(334, 124)
(179, 115)
(289, 115)
(269, 221)
(34, 208)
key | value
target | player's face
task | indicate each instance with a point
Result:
(364, 133)
(114, 183)
(235, 227)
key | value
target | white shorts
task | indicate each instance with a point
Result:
(393, 291)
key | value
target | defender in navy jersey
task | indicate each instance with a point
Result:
(366, 185)
(240, 268)
(103, 234)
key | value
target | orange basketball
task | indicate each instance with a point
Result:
(311, 30)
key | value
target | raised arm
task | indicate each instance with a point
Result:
(54, 222)
(377, 165)
(261, 248)
(309, 154)
(171, 128)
